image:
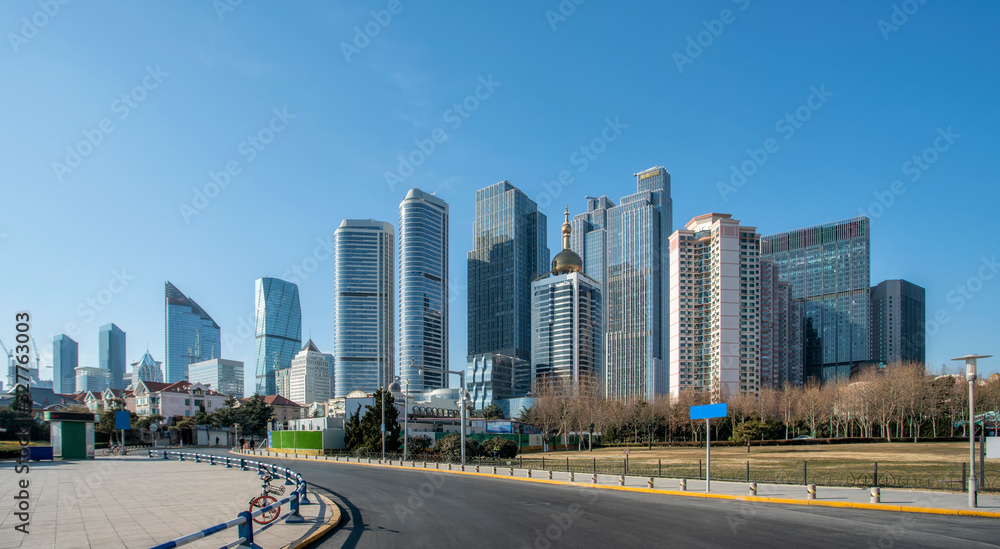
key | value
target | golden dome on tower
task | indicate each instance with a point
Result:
(566, 261)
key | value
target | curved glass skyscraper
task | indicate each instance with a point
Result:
(423, 291)
(278, 328)
(191, 335)
(363, 281)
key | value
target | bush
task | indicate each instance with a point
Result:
(500, 447)
(450, 447)
(417, 445)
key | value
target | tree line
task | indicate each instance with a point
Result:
(899, 401)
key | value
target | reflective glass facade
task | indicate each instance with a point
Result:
(423, 291)
(111, 343)
(828, 267)
(897, 322)
(146, 369)
(636, 290)
(363, 286)
(225, 376)
(191, 334)
(567, 346)
(509, 252)
(278, 328)
(65, 358)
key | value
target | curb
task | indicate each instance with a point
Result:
(755, 499)
(330, 525)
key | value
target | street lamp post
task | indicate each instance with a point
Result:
(970, 375)
(406, 419)
(383, 424)
(461, 403)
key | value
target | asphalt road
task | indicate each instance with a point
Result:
(398, 508)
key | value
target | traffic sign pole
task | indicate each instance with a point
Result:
(708, 455)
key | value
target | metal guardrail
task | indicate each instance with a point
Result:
(244, 521)
(951, 477)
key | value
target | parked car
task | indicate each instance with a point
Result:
(803, 437)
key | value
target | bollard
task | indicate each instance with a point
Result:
(414, 464)
(529, 473)
(294, 517)
(550, 475)
(196, 458)
(243, 464)
(180, 456)
(228, 466)
(684, 484)
(511, 471)
(449, 467)
(463, 467)
(876, 494)
(753, 488)
(425, 465)
(165, 455)
(150, 453)
(650, 482)
(245, 530)
(571, 478)
(304, 500)
(288, 479)
(494, 469)
(211, 460)
(621, 480)
(811, 491)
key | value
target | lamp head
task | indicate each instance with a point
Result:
(970, 365)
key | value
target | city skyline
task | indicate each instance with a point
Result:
(840, 120)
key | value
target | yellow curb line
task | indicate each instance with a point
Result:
(758, 499)
(323, 530)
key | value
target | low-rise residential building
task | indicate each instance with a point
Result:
(181, 398)
(284, 410)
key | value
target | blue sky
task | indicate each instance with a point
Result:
(310, 107)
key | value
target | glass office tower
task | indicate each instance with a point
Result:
(363, 287)
(65, 359)
(191, 334)
(636, 267)
(897, 322)
(828, 267)
(423, 291)
(278, 329)
(509, 252)
(111, 343)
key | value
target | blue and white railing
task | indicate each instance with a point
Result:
(244, 521)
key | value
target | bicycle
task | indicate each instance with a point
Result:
(265, 498)
(116, 450)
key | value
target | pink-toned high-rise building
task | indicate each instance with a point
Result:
(714, 301)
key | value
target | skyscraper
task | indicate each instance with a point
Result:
(91, 379)
(111, 343)
(629, 256)
(423, 291)
(897, 322)
(509, 251)
(146, 369)
(65, 357)
(278, 328)
(309, 376)
(780, 348)
(828, 267)
(191, 334)
(567, 348)
(714, 299)
(224, 376)
(363, 294)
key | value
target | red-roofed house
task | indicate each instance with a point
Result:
(181, 398)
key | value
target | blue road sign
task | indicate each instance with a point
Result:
(123, 421)
(708, 411)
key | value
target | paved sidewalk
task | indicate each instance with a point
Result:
(135, 502)
(938, 502)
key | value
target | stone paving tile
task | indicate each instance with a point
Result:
(134, 501)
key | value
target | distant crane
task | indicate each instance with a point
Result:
(11, 369)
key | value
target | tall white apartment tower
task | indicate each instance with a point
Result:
(714, 302)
